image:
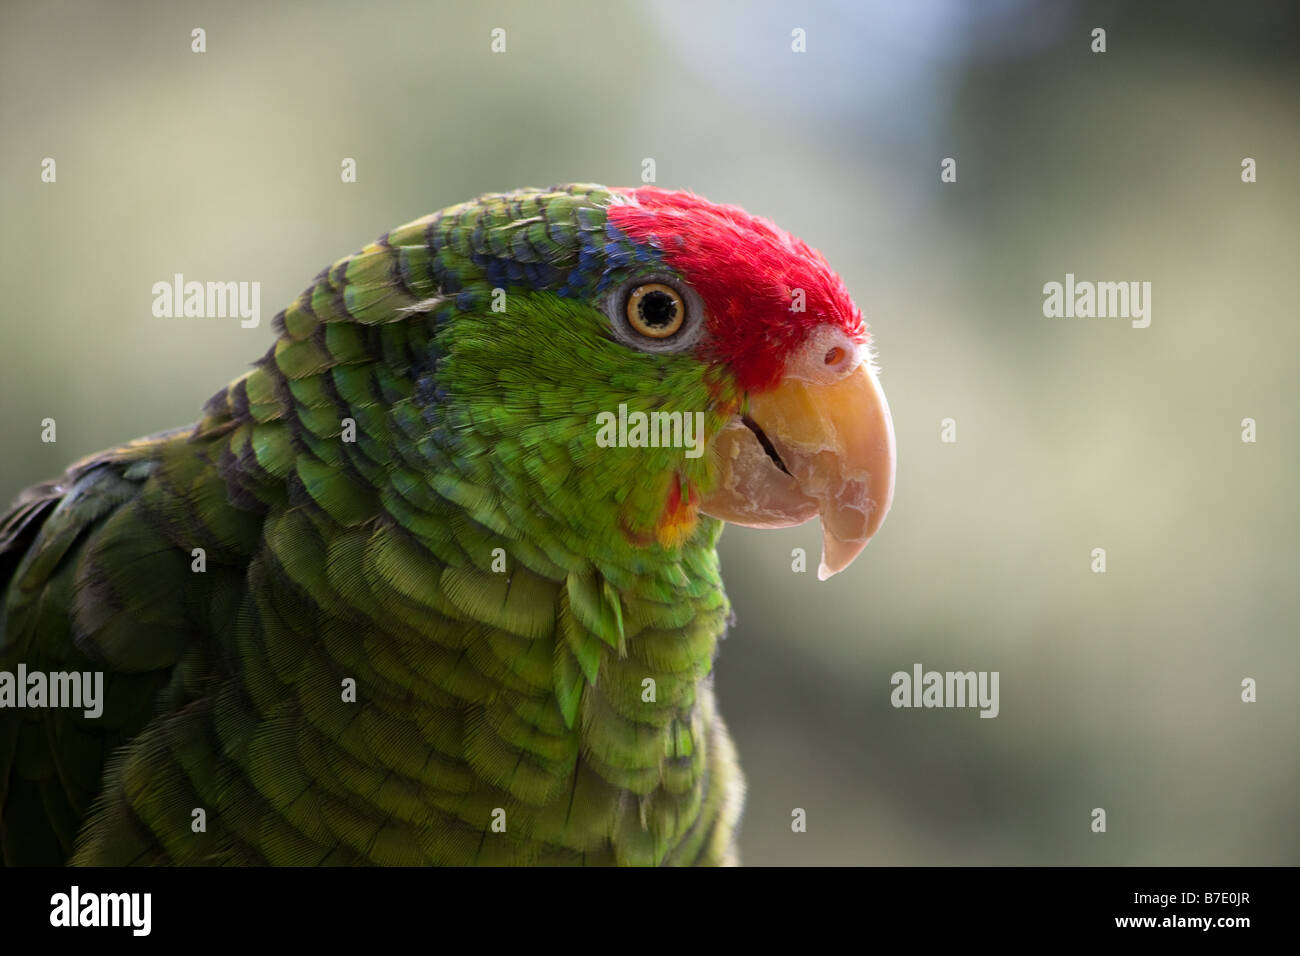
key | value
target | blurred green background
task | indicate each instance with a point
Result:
(1118, 690)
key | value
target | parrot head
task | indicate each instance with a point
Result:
(629, 365)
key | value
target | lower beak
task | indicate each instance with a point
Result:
(805, 449)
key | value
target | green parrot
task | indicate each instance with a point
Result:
(436, 582)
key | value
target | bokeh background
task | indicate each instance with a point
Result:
(1118, 690)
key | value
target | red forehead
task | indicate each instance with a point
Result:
(747, 271)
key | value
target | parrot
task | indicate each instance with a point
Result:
(403, 595)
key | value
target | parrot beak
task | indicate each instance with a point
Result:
(820, 442)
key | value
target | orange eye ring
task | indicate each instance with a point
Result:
(655, 310)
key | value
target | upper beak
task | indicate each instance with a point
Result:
(810, 447)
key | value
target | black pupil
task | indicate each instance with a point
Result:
(657, 309)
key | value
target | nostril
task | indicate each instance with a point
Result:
(826, 356)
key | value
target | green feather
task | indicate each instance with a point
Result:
(450, 636)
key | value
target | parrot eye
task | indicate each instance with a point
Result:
(656, 313)
(655, 309)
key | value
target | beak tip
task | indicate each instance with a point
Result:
(837, 553)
